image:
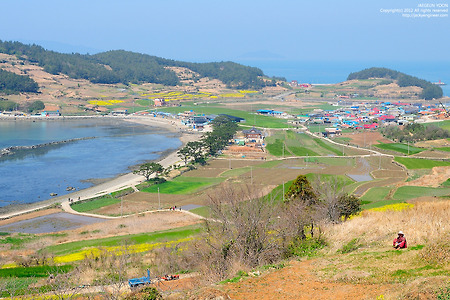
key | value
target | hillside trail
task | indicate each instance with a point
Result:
(298, 281)
(435, 179)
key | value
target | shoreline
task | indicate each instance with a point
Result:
(118, 182)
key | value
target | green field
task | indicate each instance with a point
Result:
(235, 172)
(94, 204)
(376, 194)
(276, 147)
(251, 118)
(381, 203)
(153, 237)
(302, 151)
(332, 161)
(298, 144)
(342, 140)
(402, 148)
(36, 271)
(270, 164)
(182, 185)
(314, 128)
(410, 192)
(328, 146)
(203, 211)
(418, 163)
(444, 124)
(446, 149)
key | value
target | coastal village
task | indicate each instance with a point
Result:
(163, 218)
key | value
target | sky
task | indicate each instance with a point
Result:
(219, 30)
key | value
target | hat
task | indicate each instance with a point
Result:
(401, 232)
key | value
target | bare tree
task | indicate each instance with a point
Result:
(243, 230)
(65, 285)
(335, 203)
(115, 264)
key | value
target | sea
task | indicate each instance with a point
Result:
(111, 146)
(337, 71)
(95, 149)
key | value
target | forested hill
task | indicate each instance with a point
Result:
(429, 91)
(11, 83)
(128, 67)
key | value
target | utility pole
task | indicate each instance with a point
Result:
(251, 175)
(159, 200)
(283, 191)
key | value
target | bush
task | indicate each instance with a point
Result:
(146, 293)
(308, 247)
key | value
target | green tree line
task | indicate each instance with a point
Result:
(429, 91)
(211, 143)
(415, 132)
(126, 67)
(11, 83)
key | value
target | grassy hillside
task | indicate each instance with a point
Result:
(128, 67)
(429, 92)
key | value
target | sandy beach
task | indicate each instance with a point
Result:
(123, 181)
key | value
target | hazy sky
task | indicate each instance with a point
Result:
(207, 30)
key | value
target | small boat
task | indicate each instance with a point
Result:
(53, 194)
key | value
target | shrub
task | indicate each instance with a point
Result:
(146, 293)
(308, 247)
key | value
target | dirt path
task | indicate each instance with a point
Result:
(298, 281)
(435, 179)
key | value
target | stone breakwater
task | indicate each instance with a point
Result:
(13, 149)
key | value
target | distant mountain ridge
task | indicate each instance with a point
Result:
(429, 91)
(120, 66)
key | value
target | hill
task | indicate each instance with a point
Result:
(127, 67)
(11, 83)
(429, 90)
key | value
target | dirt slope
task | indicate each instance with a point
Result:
(298, 281)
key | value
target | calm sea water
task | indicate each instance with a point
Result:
(333, 72)
(31, 175)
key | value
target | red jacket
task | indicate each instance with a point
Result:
(401, 241)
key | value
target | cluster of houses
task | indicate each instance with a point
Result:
(361, 116)
(252, 137)
(372, 115)
(44, 113)
(295, 83)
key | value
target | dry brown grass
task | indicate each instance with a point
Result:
(422, 224)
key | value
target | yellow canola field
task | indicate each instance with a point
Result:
(168, 96)
(390, 207)
(104, 102)
(118, 250)
(394, 207)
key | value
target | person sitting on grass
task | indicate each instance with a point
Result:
(400, 241)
